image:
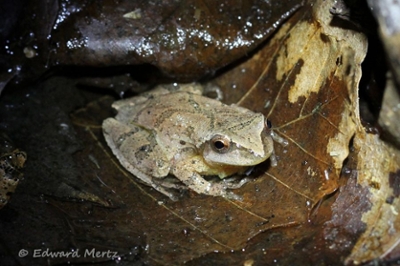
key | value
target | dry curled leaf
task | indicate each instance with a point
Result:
(306, 84)
(378, 167)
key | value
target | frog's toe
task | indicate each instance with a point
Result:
(234, 183)
(169, 192)
(172, 194)
(279, 139)
(173, 197)
(232, 196)
(273, 160)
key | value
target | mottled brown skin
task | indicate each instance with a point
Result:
(175, 130)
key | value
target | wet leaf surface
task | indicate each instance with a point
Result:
(185, 40)
(315, 207)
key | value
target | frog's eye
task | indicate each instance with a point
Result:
(220, 144)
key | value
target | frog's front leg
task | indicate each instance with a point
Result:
(187, 172)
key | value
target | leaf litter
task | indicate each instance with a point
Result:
(305, 81)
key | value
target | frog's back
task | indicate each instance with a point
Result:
(186, 109)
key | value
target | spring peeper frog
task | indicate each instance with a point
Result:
(175, 130)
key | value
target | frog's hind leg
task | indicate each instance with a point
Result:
(134, 150)
(170, 192)
(171, 182)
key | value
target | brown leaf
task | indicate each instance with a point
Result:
(304, 80)
(206, 222)
(185, 40)
(378, 170)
